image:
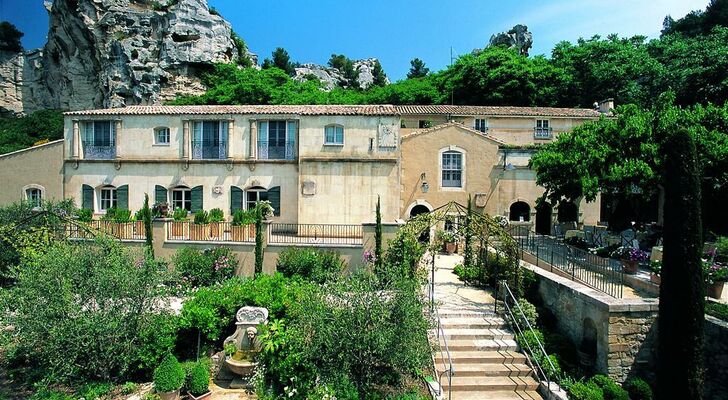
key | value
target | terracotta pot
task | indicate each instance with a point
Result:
(200, 397)
(655, 279)
(216, 230)
(451, 247)
(169, 395)
(242, 233)
(179, 229)
(629, 266)
(199, 232)
(715, 290)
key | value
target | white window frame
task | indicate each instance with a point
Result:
(186, 197)
(257, 190)
(542, 129)
(453, 149)
(27, 190)
(480, 124)
(157, 132)
(336, 128)
(107, 198)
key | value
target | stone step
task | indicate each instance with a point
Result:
(480, 344)
(465, 314)
(494, 395)
(481, 357)
(493, 383)
(472, 323)
(493, 333)
(487, 370)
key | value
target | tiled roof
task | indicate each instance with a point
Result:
(498, 111)
(449, 124)
(246, 109)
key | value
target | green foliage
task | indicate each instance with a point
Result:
(10, 37)
(379, 77)
(698, 22)
(242, 58)
(417, 69)
(146, 217)
(179, 214)
(612, 391)
(198, 379)
(402, 257)
(346, 67)
(206, 267)
(310, 263)
(122, 216)
(530, 314)
(243, 217)
(721, 249)
(87, 295)
(585, 391)
(20, 132)
(129, 388)
(169, 375)
(718, 310)
(259, 216)
(84, 215)
(216, 215)
(281, 60)
(201, 217)
(638, 389)
(378, 261)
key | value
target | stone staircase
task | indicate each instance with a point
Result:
(485, 358)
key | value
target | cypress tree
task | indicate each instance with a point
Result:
(147, 217)
(258, 240)
(468, 256)
(378, 240)
(682, 294)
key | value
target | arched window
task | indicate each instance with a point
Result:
(107, 197)
(182, 198)
(520, 211)
(452, 169)
(334, 135)
(34, 196)
(161, 136)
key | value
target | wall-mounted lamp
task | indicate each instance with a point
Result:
(425, 187)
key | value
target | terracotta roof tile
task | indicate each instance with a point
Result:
(245, 109)
(455, 124)
(498, 111)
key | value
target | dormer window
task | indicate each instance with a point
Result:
(161, 136)
(481, 124)
(334, 135)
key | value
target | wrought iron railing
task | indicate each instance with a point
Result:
(315, 233)
(599, 273)
(276, 150)
(536, 354)
(212, 232)
(542, 133)
(449, 369)
(96, 152)
(209, 150)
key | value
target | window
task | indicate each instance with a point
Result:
(452, 168)
(542, 129)
(210, 140)
(161, 136)
(99, 140)
(481, 124)
(334, 134)
(182, 198)
(254, 195)
(277, 140)
(107, 198)
(34, 196)
(425, 123)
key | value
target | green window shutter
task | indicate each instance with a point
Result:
(160, 194)
(122, 197)
(196, 198)
(236, 199)
(87, 197)
(274, 196)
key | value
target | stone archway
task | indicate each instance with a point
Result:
(543, 218)
(418, 209)
(520, 211)
(588, 346)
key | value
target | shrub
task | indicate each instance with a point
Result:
(529, 312)
(84, 215)
(122, 215)
(585, 391)
(309, 263)
(718, 310)
(179, 214)
(638, 389)
(612, 391)
(530, 339)
(202, 217)
(110, 214)
(243, 217)
(198, 379)
(129, 388)
(169, 375)
(216, 215)
(206, 267)
(94, 390)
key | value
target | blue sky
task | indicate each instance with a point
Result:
(396, 31)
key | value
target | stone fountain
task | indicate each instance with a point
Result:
(247, 344)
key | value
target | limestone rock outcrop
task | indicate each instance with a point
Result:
(517, 38)
(332, 77)
(111, 53)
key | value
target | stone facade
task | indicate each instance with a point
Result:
(632, 340)
(39, 167)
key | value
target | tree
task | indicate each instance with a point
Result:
(378, 238)
(698, 22)
(417, 69)
(10, 37)
(379, 77)
(259, 239)
(20, 132)
(468, 253)
(281, 60)
(147, 218)
(346, 66)
(682, 294)
(242, 58)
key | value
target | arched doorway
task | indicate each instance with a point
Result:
(520, 211)
(568, 212)
(417, 210)
(543, 218)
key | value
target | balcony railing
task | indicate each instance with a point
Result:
(274, 150)
(542, 133)
(212, 232)
(315, 234)
(124, 230)
(96, 152)
(209, 150)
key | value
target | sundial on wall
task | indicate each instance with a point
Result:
(387, 136)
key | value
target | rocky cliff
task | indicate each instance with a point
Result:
(518, 38)
(111, 53)
(332, 77)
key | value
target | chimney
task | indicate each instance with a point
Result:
(606, 105)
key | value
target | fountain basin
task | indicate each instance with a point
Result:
(241, 367)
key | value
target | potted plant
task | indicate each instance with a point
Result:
(243, 226)
(216, 217)
(160, 210)
(169, 378)
(655, 270)
(179, 223)
(631, 258)
(200, 229)
(198, 381)
(715, 276)
(448, 240)
(122, 224)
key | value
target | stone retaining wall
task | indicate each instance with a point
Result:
(716, 358)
